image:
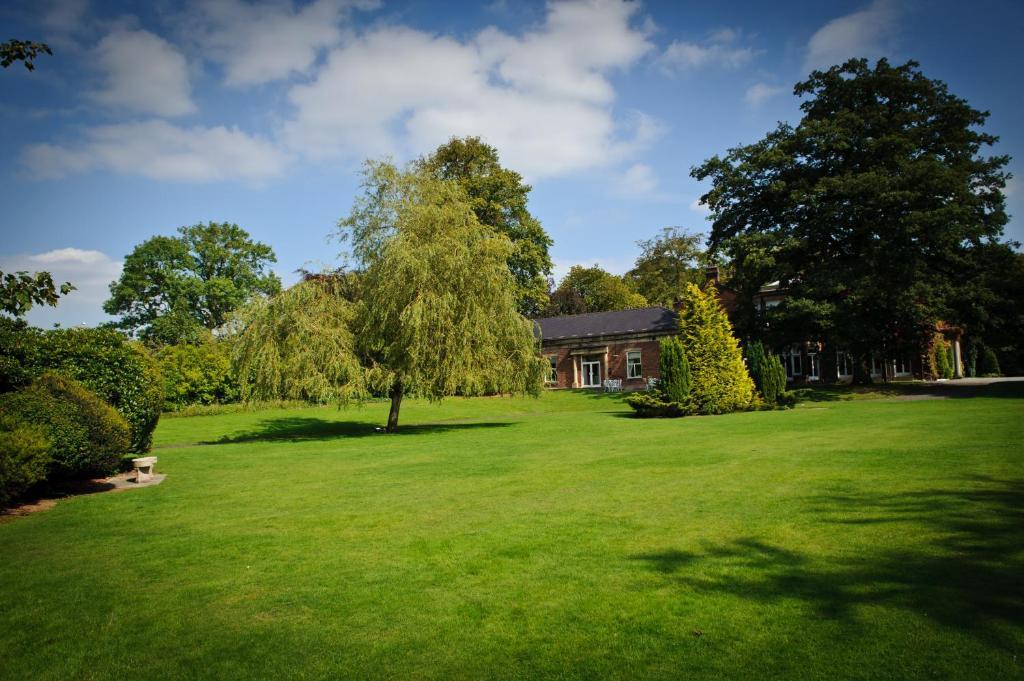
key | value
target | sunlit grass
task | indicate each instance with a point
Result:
(550, 538)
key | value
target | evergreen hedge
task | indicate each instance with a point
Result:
(721, 383)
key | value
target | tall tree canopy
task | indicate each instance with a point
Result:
(867, 211)
(667, 263)
(170, 286)
(592, 289)
(436, 315)
(498, 197)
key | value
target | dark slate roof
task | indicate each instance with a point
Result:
(642, 320)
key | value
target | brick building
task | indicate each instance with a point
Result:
(585, 350)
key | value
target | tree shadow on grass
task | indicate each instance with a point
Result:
(309, 428)
(1011, 388)
(960, 562)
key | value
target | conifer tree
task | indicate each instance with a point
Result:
(720, 380)
(674, 369)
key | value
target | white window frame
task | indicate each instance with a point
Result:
(630, 364)
(844, 361)
(906, 363)
(813, 366)
(794, 363)
(583, 373)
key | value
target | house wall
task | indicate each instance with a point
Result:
(613, 361)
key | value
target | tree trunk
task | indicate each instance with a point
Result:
(396, 403)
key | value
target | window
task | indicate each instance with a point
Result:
(552, 369)
(901, 366)
(634, 369)
(813, 366)
(793, 362)
(591, 372)
(844, 364)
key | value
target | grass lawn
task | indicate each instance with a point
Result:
(550, 538)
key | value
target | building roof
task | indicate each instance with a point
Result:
(592, 324)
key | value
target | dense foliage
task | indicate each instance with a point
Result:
(988, 362)
(197, 373)
(671, 396)
(870, 211)
(767, 372)
(21, 290)
(172, 286)
(119, 371)
(299, 345)
(86, 435)
(942, 367)
(25, 51)
(591, 289)
(436, 315)
(666, 264)
(498, 198)
(24, 456)
(720, 380)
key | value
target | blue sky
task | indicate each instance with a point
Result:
(160, 114)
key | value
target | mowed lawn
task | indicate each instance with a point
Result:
(550, 538)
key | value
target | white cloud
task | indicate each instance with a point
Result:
(91, 273)
(542, 98)
(758, 93)
(865, 33)
(719, 50)
(65, 16)
(162, 151)
(639, 180)
(266, 41)
(144, 73)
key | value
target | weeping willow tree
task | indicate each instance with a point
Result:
(437, 314)
(299, 345)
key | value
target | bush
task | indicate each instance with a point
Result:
(675, 378)
(943, 367)
(950, 360)
(653, 404)
(971, 363)
(119, 371)
(24, 456)
(87, 436)
(767, 372)
(720, 380)
(988, 363)
(199, 374)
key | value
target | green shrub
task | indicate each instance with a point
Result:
(950, 361)
(755, 354)
(988, 363)
(24, 456)
(119, 371)
(773, 380)
(767, 372)
(87, 436)
(943, 368)
(197, 374)
(19, 353)
(675, 379)
(720, 380)
(653, 404)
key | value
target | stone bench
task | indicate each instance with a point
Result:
(144, 468)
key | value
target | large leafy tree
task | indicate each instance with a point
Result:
(436, 315)
(592, 289)
(666, 264)
(867, 211)
(499, 200)
(172, 286)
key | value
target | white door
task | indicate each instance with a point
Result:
(591, 373)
